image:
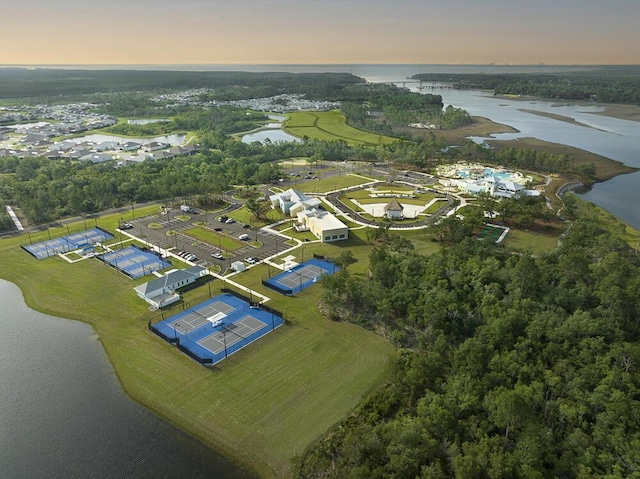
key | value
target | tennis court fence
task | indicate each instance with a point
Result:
(275, 287)
(251, 303)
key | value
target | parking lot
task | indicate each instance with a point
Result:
(168, 231)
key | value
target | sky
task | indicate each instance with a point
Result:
(319, 32)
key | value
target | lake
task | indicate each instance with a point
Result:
(274, 134)
(173, 140)
(64, 414)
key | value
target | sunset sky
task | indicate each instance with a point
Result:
(314, 31)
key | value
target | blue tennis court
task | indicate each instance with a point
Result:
(134, 262)
(67, 243)
(300, 277)
(211, 331)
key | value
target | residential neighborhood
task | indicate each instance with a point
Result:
(24, 140)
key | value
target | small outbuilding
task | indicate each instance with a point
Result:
(161, 292)
(238, 266)
(394, 210)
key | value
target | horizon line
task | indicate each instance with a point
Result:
(542, 64)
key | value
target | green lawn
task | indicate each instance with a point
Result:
(214, 238)
(330, 126)
(243, 215)
(323, 185)
(532, 242)
(266, 403)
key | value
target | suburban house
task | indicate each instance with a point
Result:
(291, 202)
(324, 226)
(156, 145)
(130, 146)
(161, 292)
(394, 210)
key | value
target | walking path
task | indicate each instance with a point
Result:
(14, 218)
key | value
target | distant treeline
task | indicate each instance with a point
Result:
(49, 83)
(607, 85)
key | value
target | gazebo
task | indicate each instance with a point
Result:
(394, 210)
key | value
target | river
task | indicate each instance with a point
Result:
(610, 137)
(606, 136)
(63, 413)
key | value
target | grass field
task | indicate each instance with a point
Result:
(214, 239)
(532, 241)
(323, 185)
(330, 126)
(265, 404)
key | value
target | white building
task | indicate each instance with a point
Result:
(291, 202)
(494, 186)
(161, 292)
(325, 226)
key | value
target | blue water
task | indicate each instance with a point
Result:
(63, 413)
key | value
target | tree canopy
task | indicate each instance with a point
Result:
(508, 365)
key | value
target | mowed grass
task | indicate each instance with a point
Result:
(323, 185)
(265, 404)
(534, 242)
(214, 238)
(330, 126)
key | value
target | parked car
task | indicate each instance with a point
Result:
(126, 226)
(217, 255)
(230, 220)
(251, 260)
(217, 229)
(246, 226)
(244, 237)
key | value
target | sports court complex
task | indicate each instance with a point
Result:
(133, 261)
(211, 331)
(67, 243)
(299, 277)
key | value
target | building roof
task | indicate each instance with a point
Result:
(394, 205)
(323, 219)
(171, 277)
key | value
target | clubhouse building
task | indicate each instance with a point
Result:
(324, 226)
(161, 292)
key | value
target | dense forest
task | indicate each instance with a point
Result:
(509, 365)
(53, 83)
(605, 85)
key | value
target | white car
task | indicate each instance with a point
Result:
(251, 260)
